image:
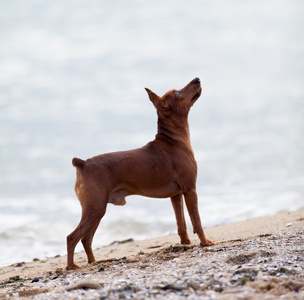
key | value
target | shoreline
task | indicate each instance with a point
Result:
(254, 259)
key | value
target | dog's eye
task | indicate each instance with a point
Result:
(177, 94)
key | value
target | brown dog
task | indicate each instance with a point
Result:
(165, 167)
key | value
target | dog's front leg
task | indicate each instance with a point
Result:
(192, 206)
(177, 203)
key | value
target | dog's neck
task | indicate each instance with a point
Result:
(168, 130)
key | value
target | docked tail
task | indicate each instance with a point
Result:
(77, 162)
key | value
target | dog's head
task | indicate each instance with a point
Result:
(177, 102)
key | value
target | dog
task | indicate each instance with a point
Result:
(163, 168)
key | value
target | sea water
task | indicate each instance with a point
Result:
(72, 78)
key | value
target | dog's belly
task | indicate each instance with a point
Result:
(117, 196)
(160, 191)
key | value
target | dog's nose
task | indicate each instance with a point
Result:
(196, 80)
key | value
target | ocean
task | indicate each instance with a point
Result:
(72, 79)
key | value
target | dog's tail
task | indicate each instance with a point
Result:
(77, 162)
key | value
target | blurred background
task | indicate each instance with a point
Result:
(72, 78)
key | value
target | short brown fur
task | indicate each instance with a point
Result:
(165, 167)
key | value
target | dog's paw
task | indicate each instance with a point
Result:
(72, 267)
(186, 242)
(207, 243)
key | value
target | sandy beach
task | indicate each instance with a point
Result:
(261, 258)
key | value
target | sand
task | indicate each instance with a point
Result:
(261, 258)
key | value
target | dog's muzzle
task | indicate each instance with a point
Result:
(196, 96)
(195, 80)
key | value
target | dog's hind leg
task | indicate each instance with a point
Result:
(192, 206)
(85, 230)
(87, 240)
(177, 203)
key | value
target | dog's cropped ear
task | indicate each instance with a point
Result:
(157, 101)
